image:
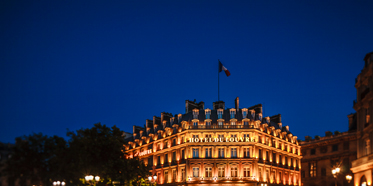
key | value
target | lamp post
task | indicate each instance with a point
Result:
(92, 180)
(154, 179)
(58, 183)
(335, 173)
(348, 178)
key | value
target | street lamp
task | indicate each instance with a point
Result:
(90, 178)
(59, 183)
(348, 178)
(150, 179)
(335, 173)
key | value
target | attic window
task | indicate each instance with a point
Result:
(195, 114)
(233, 113)
(208, 113)
(244, 113)
(220, 114)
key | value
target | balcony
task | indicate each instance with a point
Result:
(222, 127)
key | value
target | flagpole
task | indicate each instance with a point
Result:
(218, 81)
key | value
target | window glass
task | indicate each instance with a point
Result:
(195, 172)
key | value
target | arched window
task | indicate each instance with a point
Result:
(363, 181)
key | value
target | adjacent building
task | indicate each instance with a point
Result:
(363, 166)
(218, 146)
(323, 154)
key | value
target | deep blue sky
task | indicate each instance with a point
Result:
(70, 64)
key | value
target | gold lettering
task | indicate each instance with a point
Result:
(210, 140)
(231, 139)
(236, 139)
(242, 139)
(201, 139)
(227, 139)
(205, 140)
(191, 139)
(247, 139)
(196, 140)
(216, 139)
(221, 139)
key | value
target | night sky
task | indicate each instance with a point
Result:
(66, 65)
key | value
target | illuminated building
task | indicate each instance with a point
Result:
(218, 147)
(323, 154)
(363, 166)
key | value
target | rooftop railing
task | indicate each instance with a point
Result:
(222, 127)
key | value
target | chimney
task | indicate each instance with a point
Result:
(237, 103)
(218, 105)
(190, 105)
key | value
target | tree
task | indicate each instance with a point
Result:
(34, 159)
(100, 151)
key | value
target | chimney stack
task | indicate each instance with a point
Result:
(237, 103)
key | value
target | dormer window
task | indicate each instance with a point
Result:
(179, 118)
(208, 123)
(260, 116)
(220, 114)
(233, 123)
(244, 113)
(195, 123)
(195, 114)
(232, 113)
(208, 113)
(171, 121)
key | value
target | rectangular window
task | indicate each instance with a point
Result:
(267, 155)
(233, 152)
(220, 114)
(165, 176)
(246, 172)
(208, 123)
(221, 172)
(208, 113)
(260, 154)
(166, 158)
(220, 123)
(279, 158)
(221, 152)
(208, 172)
(247, 152)
(220, 135)
(195, 153)
(313, 169)
(159, 160)
(245, 123)
(233, 135)
(174, 156)
(195, 123)
(182, 154)
(280, 176)
(196, 172)
(273, 157)
(208, 135)
(182, 174)
(234, 172)
(335, 147)
(233, 123)
(233, 114)
(173, 142)
(244, 114)
(246, 136)
(303, 174)
(173, 175)
(208, 153)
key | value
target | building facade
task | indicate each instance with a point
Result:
(218, 147)
(323, 154)
(363, 105)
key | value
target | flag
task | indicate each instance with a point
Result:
(221, 67)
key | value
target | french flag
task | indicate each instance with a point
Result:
(221, 67)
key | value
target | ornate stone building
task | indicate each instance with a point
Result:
(218, 146)
(322, 154)
(363, 166)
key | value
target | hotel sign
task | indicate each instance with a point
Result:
(221, 139)
(143, 153)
